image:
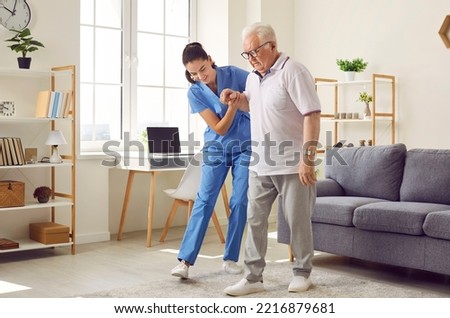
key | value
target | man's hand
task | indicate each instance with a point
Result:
(228, 95)
(307, 172)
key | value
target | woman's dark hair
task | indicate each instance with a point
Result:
(193, 51)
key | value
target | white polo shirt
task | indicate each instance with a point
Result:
(278, 103)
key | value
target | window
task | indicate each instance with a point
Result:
(131, 74)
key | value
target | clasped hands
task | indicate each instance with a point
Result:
(230, 97)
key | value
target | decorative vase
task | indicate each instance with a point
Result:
(24, 62)
(349, 76)
(367, 113)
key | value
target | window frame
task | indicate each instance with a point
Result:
(129, 85)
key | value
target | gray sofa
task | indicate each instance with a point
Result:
(384, 204)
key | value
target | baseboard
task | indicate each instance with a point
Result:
(93, 237)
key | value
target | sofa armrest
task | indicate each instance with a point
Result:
(329, 187)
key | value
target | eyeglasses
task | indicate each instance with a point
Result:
(253, 53)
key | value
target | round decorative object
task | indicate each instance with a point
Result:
(15, 14)
(43, 199)
(7, 108)
(42, 194)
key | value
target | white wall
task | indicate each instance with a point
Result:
(56, 25)
(397, 37)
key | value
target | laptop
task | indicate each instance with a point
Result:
(165, 148)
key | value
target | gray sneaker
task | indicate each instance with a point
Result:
(181, 270)
(244, 287)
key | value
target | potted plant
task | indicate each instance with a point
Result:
(24, 43)
(365, 98)
(42, 194)
(350, 67)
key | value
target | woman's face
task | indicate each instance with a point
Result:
(201, 70)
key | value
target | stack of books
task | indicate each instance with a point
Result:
(7, 244)
(11, 152)
(53, 104)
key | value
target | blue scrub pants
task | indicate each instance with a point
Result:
(213, 177)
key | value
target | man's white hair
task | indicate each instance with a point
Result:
(263, 31)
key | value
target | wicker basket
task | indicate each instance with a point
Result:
(12, 193)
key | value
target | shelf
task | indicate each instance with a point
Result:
(332, 120)
(66, 163)
(16, 72)
(361, 82)
(60, 175)
(27, 245)
(36, 205)
(337, 92)
(25, 120)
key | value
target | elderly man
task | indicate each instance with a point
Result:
(285, 129)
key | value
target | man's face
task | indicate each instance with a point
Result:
(261, 56)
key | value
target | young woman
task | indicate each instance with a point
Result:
(226, 145)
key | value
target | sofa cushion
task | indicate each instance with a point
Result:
(437, 225)
(394, 217)
(368, 171)
(427, 176)
(328, 187)
(338, 210)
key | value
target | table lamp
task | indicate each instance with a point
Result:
(54, 139)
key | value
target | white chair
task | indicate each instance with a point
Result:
(185, 195)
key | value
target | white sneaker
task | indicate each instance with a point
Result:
(231, 267)
(244, 287)
(181, 270)
(299, 284)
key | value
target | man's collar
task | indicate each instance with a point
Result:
(278, 65)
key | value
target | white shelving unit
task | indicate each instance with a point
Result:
(25, 125)
(372, 86)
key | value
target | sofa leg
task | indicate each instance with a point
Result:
(290, 255)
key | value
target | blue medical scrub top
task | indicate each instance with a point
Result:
(201, 97)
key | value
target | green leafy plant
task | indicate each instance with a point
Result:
(42, 193)
(364, 97)
(356, 65)
(23, 42)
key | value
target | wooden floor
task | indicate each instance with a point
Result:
(115, 264)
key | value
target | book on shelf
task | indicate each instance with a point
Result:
(53, 104)
(6, 244)
(42, 102)
(7, 150)
(2, 157)
(14, 156)
(19, 150)
(11, 151)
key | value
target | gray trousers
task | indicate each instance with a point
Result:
(298, 203)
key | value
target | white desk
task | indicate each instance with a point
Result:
(132, 170)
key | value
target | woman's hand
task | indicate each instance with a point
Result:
(234, 99)
(227, 95)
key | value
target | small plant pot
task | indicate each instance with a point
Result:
(349, 76)
(24, 62)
